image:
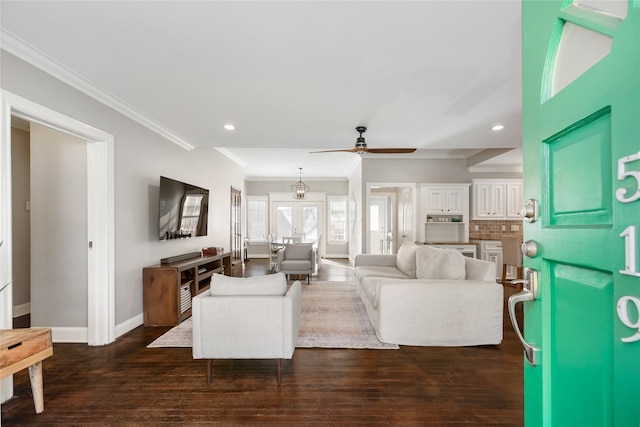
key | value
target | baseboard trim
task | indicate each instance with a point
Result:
(21, 310)
(69, 335)
(335, 256)
(129, 325)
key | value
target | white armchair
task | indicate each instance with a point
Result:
(297, 258)
(246, 318)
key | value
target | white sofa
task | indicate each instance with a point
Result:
(425, 296)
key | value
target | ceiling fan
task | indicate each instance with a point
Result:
(361, 147)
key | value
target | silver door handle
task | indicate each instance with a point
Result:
(529, 293)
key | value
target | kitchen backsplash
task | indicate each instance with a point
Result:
(492, 230)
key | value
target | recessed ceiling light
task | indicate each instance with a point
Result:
(229, 126)
(498, 127)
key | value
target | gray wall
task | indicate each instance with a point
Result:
(141, 156)
(264, 187)
(59, 235)
(21, 230)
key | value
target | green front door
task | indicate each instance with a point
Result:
(581, 138)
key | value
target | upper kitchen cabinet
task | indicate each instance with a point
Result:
(444, 211)
(497, 199)
(447, 200)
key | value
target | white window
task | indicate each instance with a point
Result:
(257, 218)
(338, 219)
(191, 214)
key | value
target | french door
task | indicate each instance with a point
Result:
(302, 219)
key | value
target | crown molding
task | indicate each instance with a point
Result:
(231, 156)
(22, 50)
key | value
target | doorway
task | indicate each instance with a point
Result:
(100, 329)
(381, 228)
(389, 216)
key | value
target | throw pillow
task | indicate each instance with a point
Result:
(435, 263)
(406, 259)
(298, 251)
(270, 284)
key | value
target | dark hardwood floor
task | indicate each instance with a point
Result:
(127, 384)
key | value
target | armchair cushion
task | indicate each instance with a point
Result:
(435, 263)
(270, 284)
(300, 251)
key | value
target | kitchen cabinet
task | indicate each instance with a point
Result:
(514, 200)
(496, 199)
(444, 200)
(444, 211)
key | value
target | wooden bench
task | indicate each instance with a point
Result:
(26, 348)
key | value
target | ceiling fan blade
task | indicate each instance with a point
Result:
(390, 150)
(350, 150)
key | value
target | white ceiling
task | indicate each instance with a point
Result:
(295, 76)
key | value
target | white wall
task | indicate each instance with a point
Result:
(141, 156)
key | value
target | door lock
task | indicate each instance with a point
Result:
(529, 248)
(530, 210)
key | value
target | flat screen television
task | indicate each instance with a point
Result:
(184, 210)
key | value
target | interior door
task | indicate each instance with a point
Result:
(581, 140)
(236, 221)
(380, 225)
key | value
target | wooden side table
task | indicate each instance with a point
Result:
(26, 348)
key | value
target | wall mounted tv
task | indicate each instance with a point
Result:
(184, 209)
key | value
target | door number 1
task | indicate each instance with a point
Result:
(629, 235)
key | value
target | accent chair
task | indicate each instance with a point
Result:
(246, 318)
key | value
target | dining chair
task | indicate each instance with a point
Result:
(511, 255)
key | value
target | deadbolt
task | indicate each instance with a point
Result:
(530, 210)
(529, 248)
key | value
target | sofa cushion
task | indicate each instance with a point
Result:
(270, 284)
(406, 259)
(435, 263)
(478, 269)
(369, 270)
(298, 251)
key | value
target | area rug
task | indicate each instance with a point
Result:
(332, 316)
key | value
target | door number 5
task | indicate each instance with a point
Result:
(622, 174)
(623, 314)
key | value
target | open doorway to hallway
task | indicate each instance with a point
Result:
(389, 217)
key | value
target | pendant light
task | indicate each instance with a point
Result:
(299, 189)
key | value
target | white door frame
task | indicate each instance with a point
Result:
(100, 212)
(365, 210)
